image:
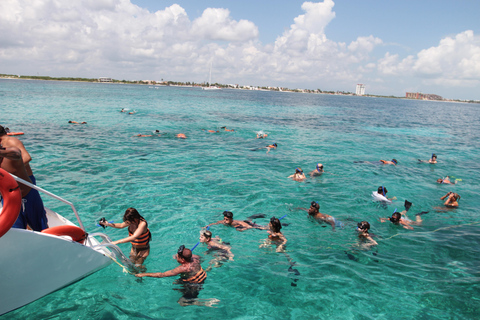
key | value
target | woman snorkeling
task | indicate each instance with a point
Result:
(275, 235)
(138, 235)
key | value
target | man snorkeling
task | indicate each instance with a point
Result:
(452, 199)
(192, 276)
(432, 160)
(400, 218)
(314, 212)
(394, 162)
(382, 191)
(222, 251)
(364, 235)
(318, 170)
(446, 180)
(237, 224)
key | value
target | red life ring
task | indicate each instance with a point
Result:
(12, 201)
(76, 233)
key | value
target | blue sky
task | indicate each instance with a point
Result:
(390, 46)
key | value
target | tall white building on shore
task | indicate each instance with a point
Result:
(360, 89)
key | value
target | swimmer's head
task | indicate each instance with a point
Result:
(394, 161)
(434, 156)
(314, 208)
(275, 224)
(275, 145)
(319, 167)
(206, 235)
(184, 253)
(228, 214)
(395, 218)
(439, 180)
(298, 170)
(382, 190)
(3, 131)
(456, 196)
(70, 121)
(363, 226)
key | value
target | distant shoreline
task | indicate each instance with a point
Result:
(200, 85)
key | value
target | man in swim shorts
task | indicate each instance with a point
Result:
(394, 162)
(191, 273)
(32, 214)
(237, 224)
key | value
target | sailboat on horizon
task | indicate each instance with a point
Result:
(210, 87)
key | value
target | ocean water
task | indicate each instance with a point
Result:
(179, 186)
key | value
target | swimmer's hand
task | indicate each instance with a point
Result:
(394, 198)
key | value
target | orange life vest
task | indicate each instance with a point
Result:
(198, 278)
(143, 240)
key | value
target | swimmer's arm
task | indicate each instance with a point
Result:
(405, 225)
(169, 273)
(18, 144)
(372, 242)
(212, 224)
(447, 195)
(383, 219)
(115, 225)
(383, 161)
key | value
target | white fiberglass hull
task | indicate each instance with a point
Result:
(35, 264)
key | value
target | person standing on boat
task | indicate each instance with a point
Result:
(32, 213)
(138, 235)
(9, 141)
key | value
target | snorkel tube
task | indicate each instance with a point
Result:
(383, 191)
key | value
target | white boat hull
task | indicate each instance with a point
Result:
(35, 264)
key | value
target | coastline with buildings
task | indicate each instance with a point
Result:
(359, 91)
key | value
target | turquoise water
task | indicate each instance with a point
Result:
(181, 185)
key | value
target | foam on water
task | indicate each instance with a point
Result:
(181, 185)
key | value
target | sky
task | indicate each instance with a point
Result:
(392, 47)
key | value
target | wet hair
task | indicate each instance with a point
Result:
(186, 254)
(381, 189)
(298, 170)
(228, 214)
(440, 180)
(434, 155)
(394, 161)
(131, 214)
(207, 234)
(276, 225)
(364, 225)
(457, 196)
(395, 218)
(315, 205)
(2, 131)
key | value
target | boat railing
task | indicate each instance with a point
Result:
(107, 242)
(31, 185)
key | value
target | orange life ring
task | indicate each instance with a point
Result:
(12, 201)
(15, 133)
(77, 234)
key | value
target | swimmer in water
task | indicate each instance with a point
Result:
(446, 180)
(229, 130)
(394, 162)
(271, 146)
(222, 251)
(452, 199)
(318, 170)
(382, 191)
(432, 160)
(211, 131)
(143, 135)
(400, 218)
(76, 122)
(261, 135)
(364, 235)
(298, 175)
(237, 224)
(181, 136)
(314, 212)
(275, 236)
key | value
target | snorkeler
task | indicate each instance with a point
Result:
(222, 250)
(298, 175)
(76, 122)
(138, 235)
(432, 160)
(364, 235)
(181, 136)
(394, 162)
(318, 170)
(314, 212)
(192, 277)
(452, 199)
(229, 130)
(271, 146)
(275, 236)
(381, 195)
(446, 180)
(237, 224)
(400, 218)
(261, 135)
